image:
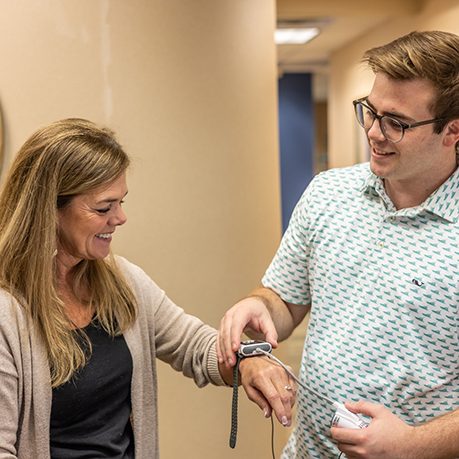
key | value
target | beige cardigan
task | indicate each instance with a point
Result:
(162, 331)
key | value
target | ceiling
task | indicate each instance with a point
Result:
(341, 22)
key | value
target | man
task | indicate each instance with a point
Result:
(372, 251)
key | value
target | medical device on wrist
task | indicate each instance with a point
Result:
(341, 418)
(250, 348)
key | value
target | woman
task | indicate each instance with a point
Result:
(80, 329)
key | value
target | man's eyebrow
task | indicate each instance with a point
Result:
(397, 115)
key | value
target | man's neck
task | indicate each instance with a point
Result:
(405, 195)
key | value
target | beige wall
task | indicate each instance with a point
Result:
(191, 88)
(349, 80)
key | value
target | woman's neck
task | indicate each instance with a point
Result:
(77, 308)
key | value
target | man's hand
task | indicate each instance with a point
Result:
(262, 315)
(386, 437)
(249, 314)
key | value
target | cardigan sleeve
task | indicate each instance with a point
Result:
(10, 394)
(11, 375)
(187, 344)
(177, 338)
(25, 389)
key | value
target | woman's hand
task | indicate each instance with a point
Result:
(269, 386)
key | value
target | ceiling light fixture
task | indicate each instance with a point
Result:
(295, 36)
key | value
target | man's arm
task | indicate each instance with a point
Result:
(263, 315)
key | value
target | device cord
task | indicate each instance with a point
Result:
(270, 356)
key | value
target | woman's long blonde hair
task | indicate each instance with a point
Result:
(59, 161)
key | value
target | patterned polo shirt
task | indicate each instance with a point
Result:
(383, 285)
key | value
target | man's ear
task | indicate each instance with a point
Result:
(451, 133)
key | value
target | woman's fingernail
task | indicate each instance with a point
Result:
(286, 422)
(265, 411)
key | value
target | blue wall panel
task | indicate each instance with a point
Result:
(296, 137)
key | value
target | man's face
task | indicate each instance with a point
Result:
(421, 157)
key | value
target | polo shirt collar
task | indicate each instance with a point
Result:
(443, 202)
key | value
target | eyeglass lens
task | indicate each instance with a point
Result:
(390, 127)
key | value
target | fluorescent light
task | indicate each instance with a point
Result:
(295, 36)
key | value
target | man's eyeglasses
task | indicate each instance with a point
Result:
(392, 128)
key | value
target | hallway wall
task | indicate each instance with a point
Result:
(191, 89)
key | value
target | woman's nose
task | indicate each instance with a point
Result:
(119, 218)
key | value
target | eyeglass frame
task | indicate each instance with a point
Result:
(403, 125)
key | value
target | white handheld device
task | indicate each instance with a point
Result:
(345, 418)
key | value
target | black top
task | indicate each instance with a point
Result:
(90, 413)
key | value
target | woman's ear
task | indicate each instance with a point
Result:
(451, 133)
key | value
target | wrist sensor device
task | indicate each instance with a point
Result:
(249, 348)
(253, 347)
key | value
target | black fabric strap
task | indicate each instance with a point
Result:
(233, 435)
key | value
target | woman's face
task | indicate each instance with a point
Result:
(87, 224)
